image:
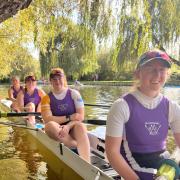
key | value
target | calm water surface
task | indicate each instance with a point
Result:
(36, 161)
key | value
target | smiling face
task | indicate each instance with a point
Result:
(57, 83)
(58, 79)
(30, 85)
(152, 77)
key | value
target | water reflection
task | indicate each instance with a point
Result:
(6, 147)
(26, 150)
(104, 95)
(172, 93)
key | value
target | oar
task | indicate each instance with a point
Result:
(16, 114)
(98, 105)
(19, 126)
(170, 167)
(95, 122)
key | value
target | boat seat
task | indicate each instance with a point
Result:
(99, 162)
(75, 150)
(104, 166)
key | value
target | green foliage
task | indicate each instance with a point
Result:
(144, 24)
(73, 50)
(134, 35)
(23, 64)
(71, 33)
(14, 56)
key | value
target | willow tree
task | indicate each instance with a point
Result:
(70, 33)
(14, 56)
(73, 49)
(145, 24)
(78, 52)
(79, 26)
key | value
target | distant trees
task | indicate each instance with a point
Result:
(89, 36)
(14, 55)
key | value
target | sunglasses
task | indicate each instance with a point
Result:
(53, 75)
(30, 78)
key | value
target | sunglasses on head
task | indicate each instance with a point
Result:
(58, 73)
(30, 78)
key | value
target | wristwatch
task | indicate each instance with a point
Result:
(68, 118)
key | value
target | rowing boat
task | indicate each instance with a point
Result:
(99, 169)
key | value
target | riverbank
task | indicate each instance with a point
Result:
(108, 83)
(121, 83)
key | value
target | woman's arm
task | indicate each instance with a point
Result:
(117, 117)
(177, 139)
(78, 116)
(174, 119)
(10, 95)
(20, 101)
(41, 94)
(112, 146)
(47, 116)
(79, 105)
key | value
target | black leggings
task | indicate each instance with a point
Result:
(149, 160)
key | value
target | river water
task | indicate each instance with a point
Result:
(22, 157)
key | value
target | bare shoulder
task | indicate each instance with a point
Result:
(41, 92)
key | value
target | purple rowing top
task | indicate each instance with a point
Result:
(62, 107)
(34, 98)
(15, 93)
(146, 129)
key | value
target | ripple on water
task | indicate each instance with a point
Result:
(13, 169)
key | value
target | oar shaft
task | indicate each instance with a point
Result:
(16, 114)
(97, 105)
(95, 122)
(19, 126)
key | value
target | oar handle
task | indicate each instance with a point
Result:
(15, 114)
(97, 105)
(169, 168)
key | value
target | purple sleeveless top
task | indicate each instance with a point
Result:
(15, 93)
(62, 107)
(147, 129)
(34, 98)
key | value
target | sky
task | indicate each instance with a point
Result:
(33, 50)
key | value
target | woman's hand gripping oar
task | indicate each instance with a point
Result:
(169, 169)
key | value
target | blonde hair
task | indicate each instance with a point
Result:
(15, 77)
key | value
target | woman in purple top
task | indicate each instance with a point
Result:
(13, 91)
(30, 98)
(138, 122)
(63, 112)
